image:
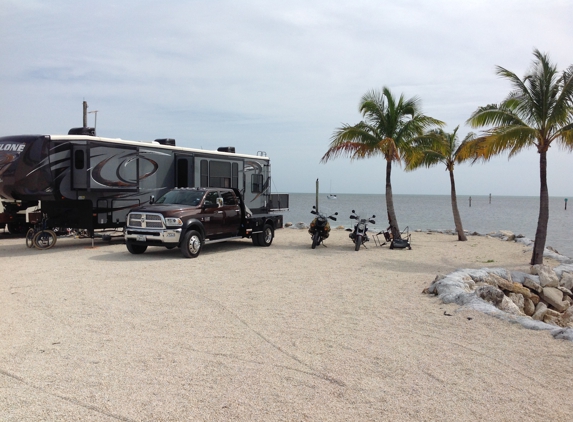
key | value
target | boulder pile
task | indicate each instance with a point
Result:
(541, 300)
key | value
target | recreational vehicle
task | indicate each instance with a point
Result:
(87, 182)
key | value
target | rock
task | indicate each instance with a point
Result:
(510, 286)
(552, 249)
(567, 316)
(566, 280)
(288, 224)
(508, 306)
(534, 298)
(299, 226)
(531, 284)
(510, 237)
(489, 280)
(517, 298)
(553, 317)
(554, 297)
(565, 291)
(540, 310)
(490, 294)
(528, 307)
(547, 277)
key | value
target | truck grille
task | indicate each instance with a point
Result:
(152, 221)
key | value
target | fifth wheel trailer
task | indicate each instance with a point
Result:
(87, 182)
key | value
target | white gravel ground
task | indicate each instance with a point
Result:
(283, 333)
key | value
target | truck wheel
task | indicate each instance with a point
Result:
(357, 242)
(267, 236)
(135, 249)
(191, 244)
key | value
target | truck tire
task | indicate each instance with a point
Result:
(191, 244)
(357, 242)
(135, 249)
(267, 236)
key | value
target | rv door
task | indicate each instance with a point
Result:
(183, 170)
(80, 163)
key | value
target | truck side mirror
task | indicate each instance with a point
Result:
(151, 199)
(219, 202)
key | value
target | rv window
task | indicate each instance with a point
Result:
(204, 169)
(256, 183)
(235, 180)
(79, 160)
(219, 174)
(182, 173)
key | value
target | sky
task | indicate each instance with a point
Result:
(280, 77)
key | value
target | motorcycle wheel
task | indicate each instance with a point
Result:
(357, 242)
(315, 239)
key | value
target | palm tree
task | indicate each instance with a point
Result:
(388, 127)
(435, 147)
(537, 112)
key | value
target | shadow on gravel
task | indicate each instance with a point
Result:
(160, 253)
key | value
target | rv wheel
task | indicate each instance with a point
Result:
(191, 244)
(135, 249)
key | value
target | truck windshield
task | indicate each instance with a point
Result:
(192, 198)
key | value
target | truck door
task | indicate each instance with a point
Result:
(212, 215)
(231, 213)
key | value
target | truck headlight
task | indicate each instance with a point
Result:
(173, 222)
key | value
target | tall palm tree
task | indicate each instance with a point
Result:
(435, 147)
(537, 112)
(388, 127)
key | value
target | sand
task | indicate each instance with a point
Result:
(283, 333)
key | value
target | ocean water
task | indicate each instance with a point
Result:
(515, 213)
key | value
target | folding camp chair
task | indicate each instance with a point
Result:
(404, 241)
(387, 237)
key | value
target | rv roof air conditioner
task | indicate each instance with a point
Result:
(90, 131)
(226, 149)
(166, 141)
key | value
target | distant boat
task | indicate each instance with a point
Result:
(331, 195)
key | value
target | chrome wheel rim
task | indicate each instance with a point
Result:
(268, 235)
(194, 244)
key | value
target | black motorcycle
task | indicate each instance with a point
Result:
(359, 235)
(320, 227)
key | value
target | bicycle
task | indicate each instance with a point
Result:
(40, 236)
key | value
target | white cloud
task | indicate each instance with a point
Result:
(276, 76)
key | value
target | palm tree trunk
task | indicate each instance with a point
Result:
(457, 218)
(390, 203)
(541, 233)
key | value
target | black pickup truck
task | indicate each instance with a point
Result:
(188, 218)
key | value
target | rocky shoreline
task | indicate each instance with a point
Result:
(540, 300)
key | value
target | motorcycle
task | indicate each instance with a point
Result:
(359, 235)
(320, 227)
